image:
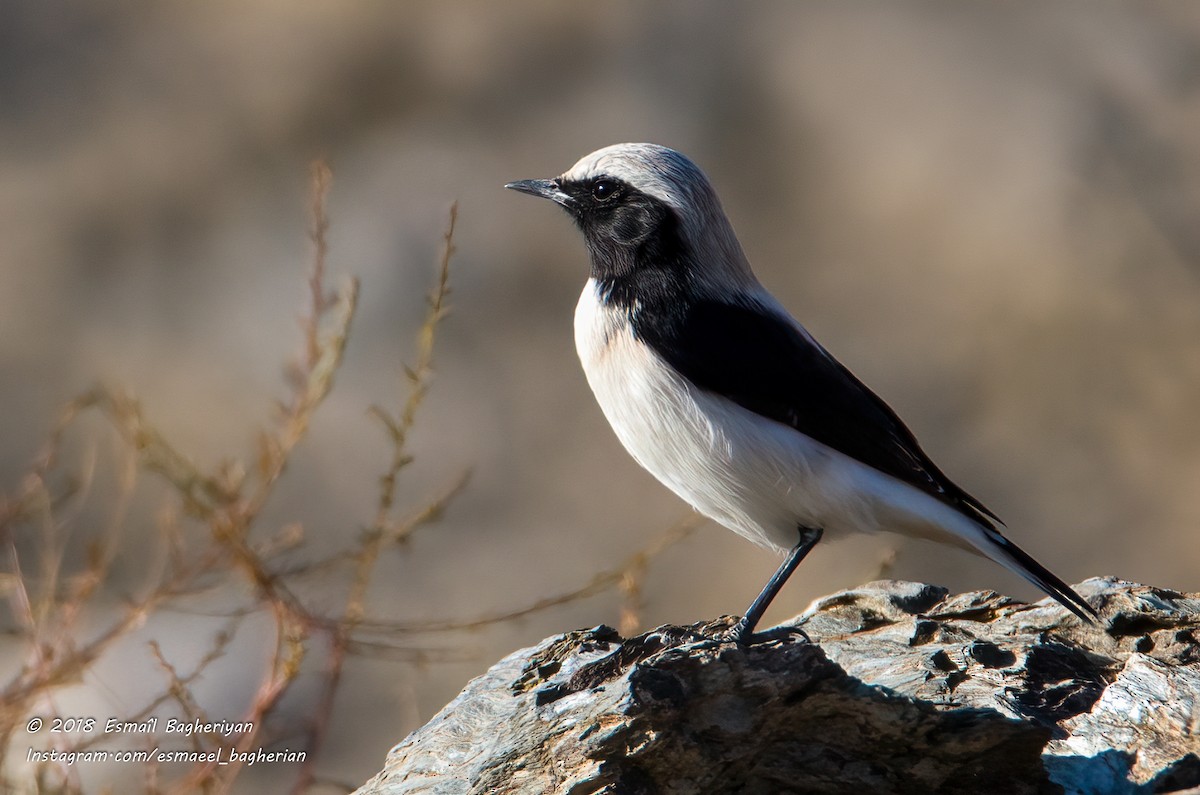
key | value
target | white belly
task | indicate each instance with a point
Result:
(755, 476)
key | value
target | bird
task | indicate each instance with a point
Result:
(727, 400)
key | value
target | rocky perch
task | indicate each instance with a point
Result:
(904, 688)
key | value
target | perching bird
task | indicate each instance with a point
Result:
(720, 394)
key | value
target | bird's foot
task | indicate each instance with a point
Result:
(743, 634)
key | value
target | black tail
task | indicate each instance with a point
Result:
(1023, 564)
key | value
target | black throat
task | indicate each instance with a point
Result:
(640, 260)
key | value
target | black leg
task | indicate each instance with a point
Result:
(741, 632)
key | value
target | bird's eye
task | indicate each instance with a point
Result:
(604, 189)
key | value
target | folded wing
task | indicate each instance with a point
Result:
(765, 363)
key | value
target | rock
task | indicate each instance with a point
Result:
(903, 688)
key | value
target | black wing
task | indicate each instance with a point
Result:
(765, 364)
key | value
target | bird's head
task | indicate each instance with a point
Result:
(644, 206)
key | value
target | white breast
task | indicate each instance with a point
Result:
(755, 476)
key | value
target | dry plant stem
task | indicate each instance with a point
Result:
(418, 377)
(318, 229)
(313, 377)
(384, 528)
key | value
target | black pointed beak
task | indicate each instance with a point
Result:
(544, 188)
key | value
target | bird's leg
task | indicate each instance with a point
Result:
(742, 631)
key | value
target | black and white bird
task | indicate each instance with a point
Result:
(720, 394)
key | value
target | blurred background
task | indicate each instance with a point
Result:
(989, 212)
